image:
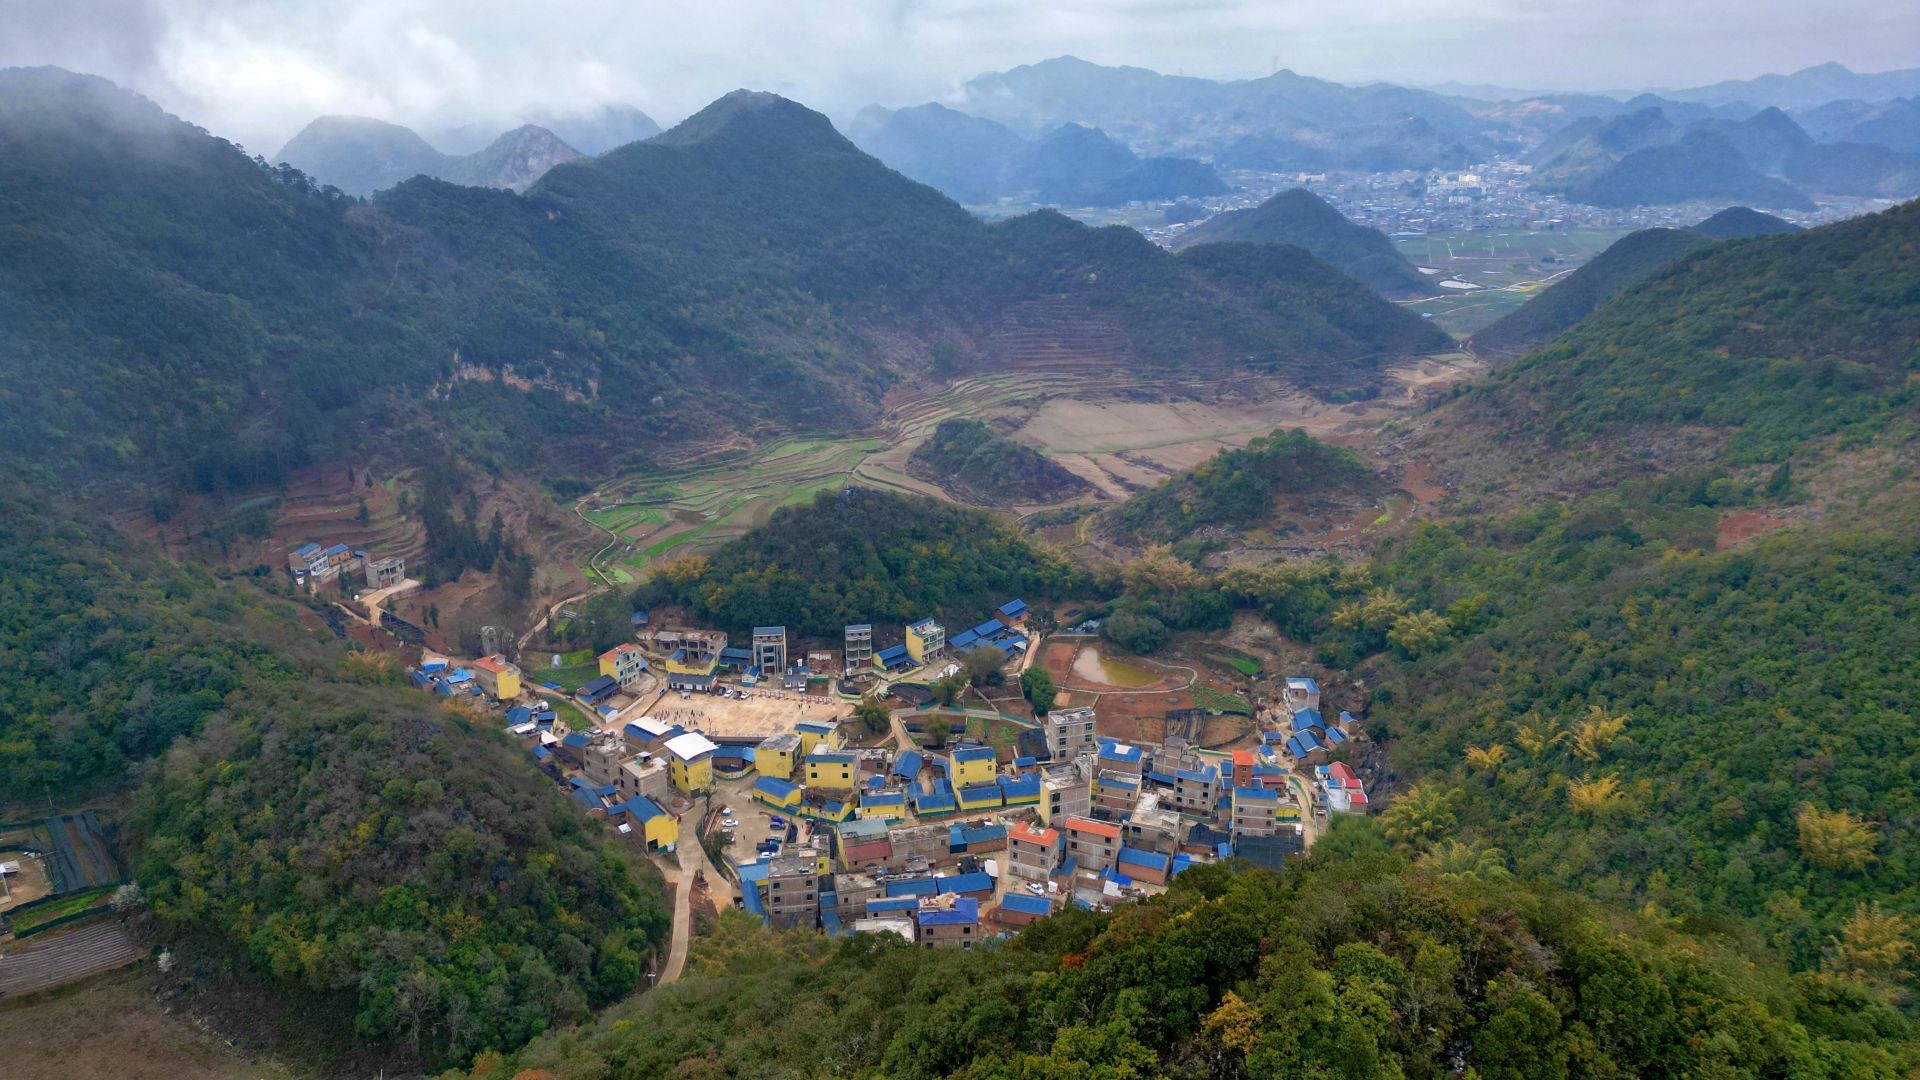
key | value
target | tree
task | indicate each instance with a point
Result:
(1419, 632)
(984, 666)
(1836, 839)
(946, 691)
(360, 515)
(1037, 686)
(938, 728)
(1875, 944)
(871, 714)
(1422, 815)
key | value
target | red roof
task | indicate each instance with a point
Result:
(495, 663)
(1049, 837)
(1098, 828)
(1343, 775)
(1243, 757)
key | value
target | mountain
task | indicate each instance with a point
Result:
(1766, 139)
(1807, 88)
(360, 155)
(1699, 345)
(1739, 222)
(1701, 165)
(1631, 258)
(716, 268)
(1301, 218)
(1589, 147)
(513, 161)
(1184, 116)
(1243, 486)
(1894, 125)
(963, 156)
(1849, 168)
(1076, 165)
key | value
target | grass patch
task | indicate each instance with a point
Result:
(1215, 701)
(60, 908)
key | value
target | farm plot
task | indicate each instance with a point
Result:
(1508, 266)
(64, 956)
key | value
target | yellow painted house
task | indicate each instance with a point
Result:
(690, 762)
(968, 765)
(682, 662)
(777, 756)
(498, 677)
(659, 830)
(924, 639)
(819, 735)
(830, 771)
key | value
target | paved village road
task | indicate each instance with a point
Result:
(682, 934)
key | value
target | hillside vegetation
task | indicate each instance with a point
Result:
(865, 556)
(1305, 220)
(972, 459)
(394, 869)
(1722, 734)
(1775, 340)
(1354, 964)
(1238, 488)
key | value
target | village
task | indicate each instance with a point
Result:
(764, 775)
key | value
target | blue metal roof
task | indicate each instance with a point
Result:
(891, 656)
(640, 618)
(1307, 718)
(974, 753)
(1026, 903)
(925, 886)
(965, 912)
(541, 753)
(1013, 609)
(1020, 786)
(1119, 751)
(963, 639)
(989, 628)
(576, 739)
(884, 798)
(1256, 793)
(1152, 860)
(978, 881)
(598, 688)
(831, 758)
(892, 903)
(308, 548)
(774, 786)
(908, 764)
(643, 809)
(1208, 773)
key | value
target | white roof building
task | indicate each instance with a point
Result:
(690, 746)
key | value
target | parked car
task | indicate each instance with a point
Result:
(1034, 888)
(728, 823)
(776, 819)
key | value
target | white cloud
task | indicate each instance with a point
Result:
(256, 70)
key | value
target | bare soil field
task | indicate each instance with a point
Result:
(114, 1027)
(1744, 526)
(765, 713)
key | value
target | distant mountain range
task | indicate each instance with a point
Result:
(360, 155)
(1305, 220)
(1630, 259)
(975, 160)
(1806, 88)
(1645, 158)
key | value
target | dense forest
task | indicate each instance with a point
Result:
(1355, 964)
(1719, 734)
(973, 460)
(395, 870)
(861, 555)
(1238, 488)
(343, 842)
(1776, 340)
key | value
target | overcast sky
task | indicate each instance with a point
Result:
(257, 70)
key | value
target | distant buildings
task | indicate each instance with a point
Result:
(386, 571)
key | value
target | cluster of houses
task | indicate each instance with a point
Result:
(310, 562)
(944, 847)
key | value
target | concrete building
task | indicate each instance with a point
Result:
(854, 890)
(625, 663)
(1019, 909)
(926, 639)
(653, 827)
(1069, 733)
(1064, 793)
(1033, 854)
(386, 571)
(497, 676)
(830, 771)
(1093, 844)
(644, 775)
(690, 762)
(859, 647)
(1301, 693)
(1260, 811)
(692, 652)
(770, 649)
(777, 756)
(948, 921)
(793, 892)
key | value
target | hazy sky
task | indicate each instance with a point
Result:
(257, 70)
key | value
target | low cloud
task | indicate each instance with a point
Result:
(257, 70)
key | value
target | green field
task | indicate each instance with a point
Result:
(685, 511)
(1509, 267)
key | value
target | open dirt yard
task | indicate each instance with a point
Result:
(114, 1027)
(765, 713)
(31, 883)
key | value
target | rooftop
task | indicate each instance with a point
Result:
(689, 746)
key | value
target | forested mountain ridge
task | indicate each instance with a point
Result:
(226, 319)
(1633, 257)
(1772, 341)
(991, 468)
